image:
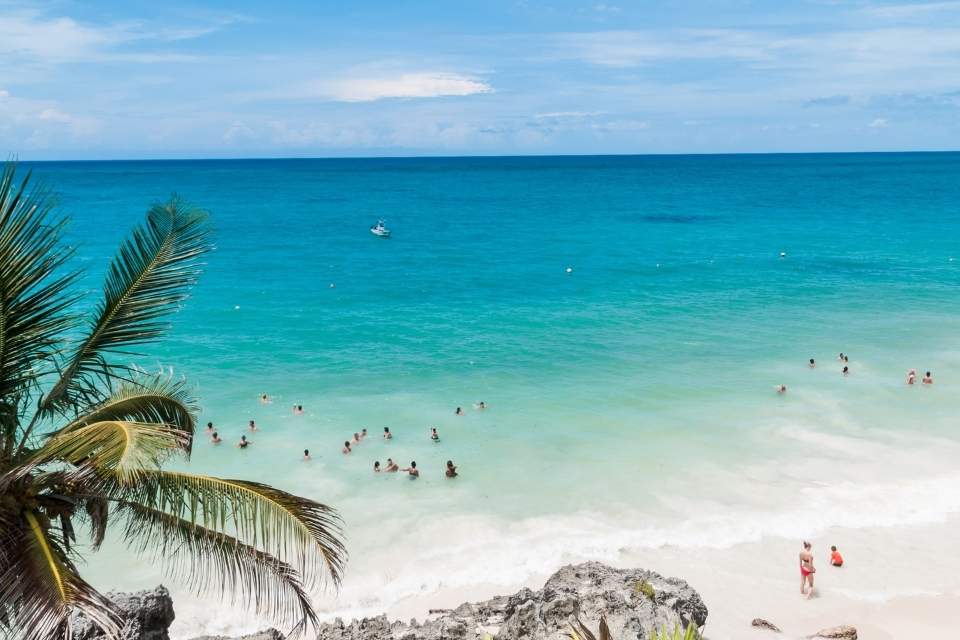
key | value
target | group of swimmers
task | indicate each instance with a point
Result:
(807, 569)
(845, 359)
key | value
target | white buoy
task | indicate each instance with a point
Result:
(332, 285)
(783, 254)
(236, 308)
(569, 269)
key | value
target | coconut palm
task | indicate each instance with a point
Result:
(83, 437)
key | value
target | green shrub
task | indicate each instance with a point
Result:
(646, 589)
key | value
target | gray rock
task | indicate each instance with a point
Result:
(590, 590)
(760, 623)
(266, 634)
(843, 632)
(147, 615)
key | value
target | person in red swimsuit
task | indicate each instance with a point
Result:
(806, 570)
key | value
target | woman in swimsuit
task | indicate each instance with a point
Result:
(806, 570)
(434, 435)
(243, 442)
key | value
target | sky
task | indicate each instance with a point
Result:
(132, 79)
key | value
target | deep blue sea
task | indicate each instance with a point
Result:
(625, 319)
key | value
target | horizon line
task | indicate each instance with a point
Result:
(491, 156)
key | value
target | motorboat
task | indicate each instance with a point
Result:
(380, 230)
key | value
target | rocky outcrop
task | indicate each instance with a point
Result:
(147, 615)
(633, 601)
(266, 634)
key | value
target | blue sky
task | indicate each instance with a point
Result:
(133, 79)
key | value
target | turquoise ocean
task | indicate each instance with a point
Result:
(625, 319)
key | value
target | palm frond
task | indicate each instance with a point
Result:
(123, 450)
(33, 298)
(153, 399)
(580, 631)
(149, 278)
(40, 587)
(209, 562)
(296, 530)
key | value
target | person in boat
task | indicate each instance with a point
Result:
(812, 364)
(434, 435)
(306, 455)
(835, 558)
(386, 433)
(928, 379)
(243, 442)
(451, 469)
(346, 447)
(412, 470)
(376, 467)
(458, 412)
(806, 570)
(252, 426)
(392, 467)
(215, 438)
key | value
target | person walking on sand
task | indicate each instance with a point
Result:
(806, 570)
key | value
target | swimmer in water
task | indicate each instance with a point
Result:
(209, 428)
(812, 363)
(376, 467)
(846, 371)
(363, 433)
(781, 388)
(846, 359)
(306, 455)
(356, 438)
(264, 399)
(928, 379)
(243, 442)
(298, 409)
(481, 405)
(451, 469)
(458, 412)
(214, 438)
(386, 433)
(346, 447)
(412, 470)
(392, 467)
(911, 376)
(252, 426)
(840, 357)
(434, 435)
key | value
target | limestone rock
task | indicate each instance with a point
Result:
(147, 615)
(843, 632)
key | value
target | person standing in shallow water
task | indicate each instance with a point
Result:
(412, 470)
(346, 447)
(386, 434)
(451, 469)
(806, 570)
(928, 379)
(813, 363)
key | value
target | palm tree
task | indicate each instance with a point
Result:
(83, 438)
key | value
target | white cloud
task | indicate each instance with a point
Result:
(900, 11)
(879, 123)
(404, 85)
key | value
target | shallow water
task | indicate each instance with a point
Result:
(631, 400)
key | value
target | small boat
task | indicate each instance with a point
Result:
(380, 230)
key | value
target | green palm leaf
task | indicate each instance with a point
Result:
(211, 562)
(297, 530)
(40, 587)
(148, 279)
(33, 300)
(156, 399)
(116, 448)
